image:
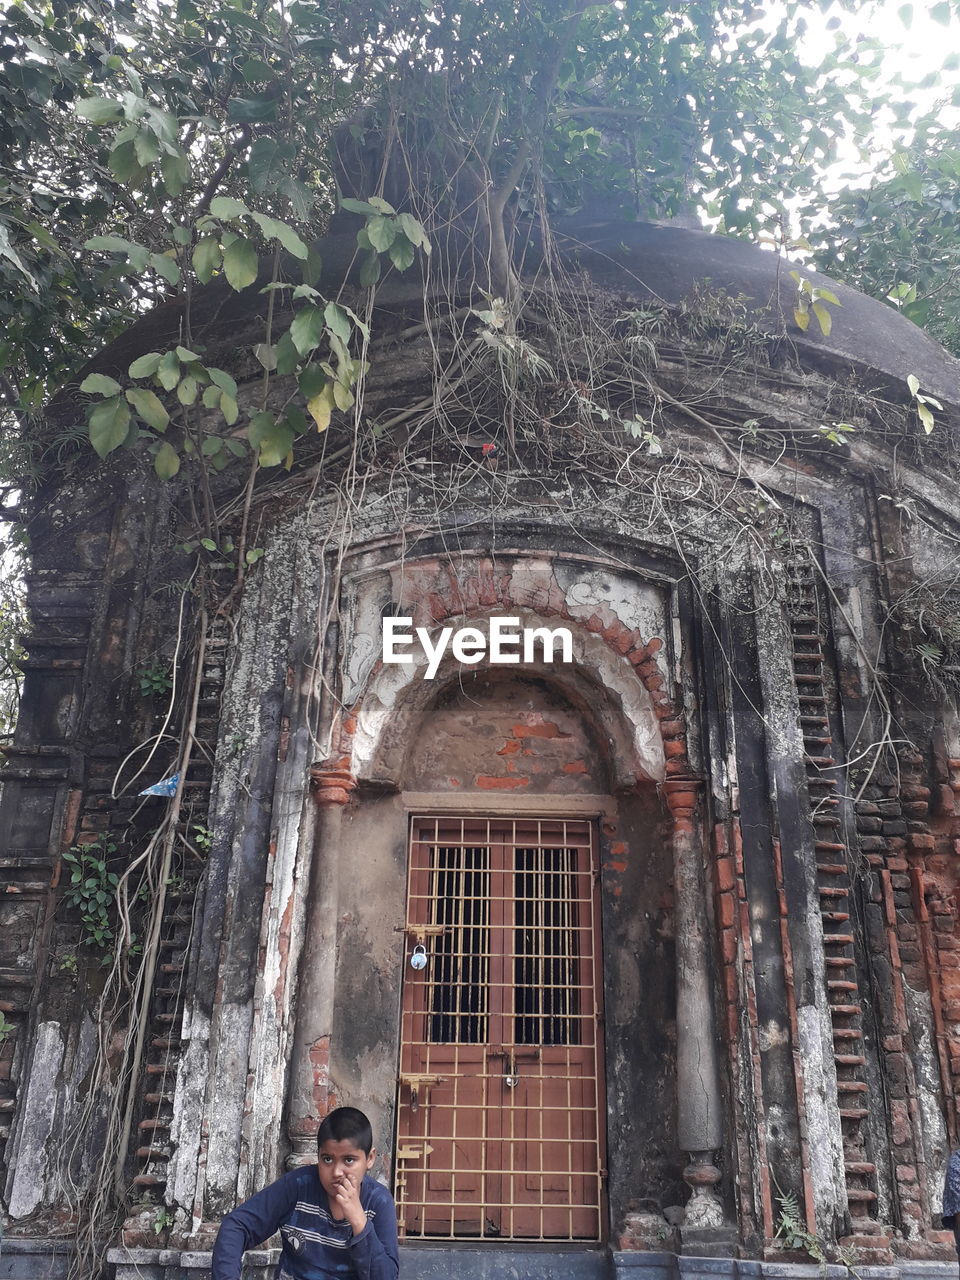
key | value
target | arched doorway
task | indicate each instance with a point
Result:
(500, 1108)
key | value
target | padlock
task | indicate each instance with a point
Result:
(418, 958)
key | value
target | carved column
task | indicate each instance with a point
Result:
(700, 1124)
(310, 1066)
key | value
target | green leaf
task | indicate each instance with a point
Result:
(223, 380)
(926, 417)
(402, 253)
(297, 419)
(226, 208)
(801, 318)
(941, 13)
(343, 396)
(186, 356)
(165, 267)
(108, 424)
(98, 110)
(206, 258)
(211, 397)
(337, 321)
(274, 229)
(145, 366)
(124, 164)
(166, 462)
(381, 233)
(381, 205)
(415, 233)
(229, 408)
(188, 390)
(287, 355)
(306, 331)
(211, 446)
(110, 244)
(175, 170)
(149, 407)
(312, 268)
(146, 145)
(98, 384)
(824, 317)
(268, 163)
(370, 270)
(261, 424)
(266, 355)
(913, 382)
(252, 110)
(208, 544)
(275, 445)
(357, 206)
(240, 264)
(312, 381)
(168, 371)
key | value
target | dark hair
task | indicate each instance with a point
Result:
(346, 1123)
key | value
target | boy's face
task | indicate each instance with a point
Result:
(341, 1162)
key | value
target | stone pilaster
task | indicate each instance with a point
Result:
(310, 1091)
(700, 1123)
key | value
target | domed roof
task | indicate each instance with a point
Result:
(635, 259)
(668, 262)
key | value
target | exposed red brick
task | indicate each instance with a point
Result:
(676, 767)
(727, 914)
(575, 766)
(546, 730)
(675, 747)
(487, 783)
(510, 747)
(725, 876)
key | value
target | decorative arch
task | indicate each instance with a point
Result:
(617, 669)
(601, 683)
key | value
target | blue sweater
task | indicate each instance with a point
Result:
(315, 1245)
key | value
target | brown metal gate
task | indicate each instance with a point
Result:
(499, 1129)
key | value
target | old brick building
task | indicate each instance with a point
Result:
(687, 901)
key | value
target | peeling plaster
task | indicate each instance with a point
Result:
(37, 1114)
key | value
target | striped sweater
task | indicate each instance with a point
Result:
(315, 1245)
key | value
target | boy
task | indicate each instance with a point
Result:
(951, 1198)
(334, 1221)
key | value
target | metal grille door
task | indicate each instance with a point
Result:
(498, 1130)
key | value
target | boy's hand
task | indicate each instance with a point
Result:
(346, 1197)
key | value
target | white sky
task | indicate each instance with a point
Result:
(922, 51)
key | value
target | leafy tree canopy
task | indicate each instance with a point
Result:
(121, 123)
